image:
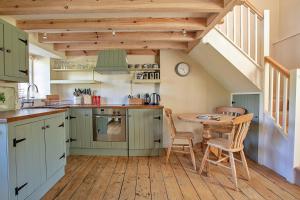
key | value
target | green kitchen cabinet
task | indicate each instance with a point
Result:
(55, 144)
(14, 57)
(67, 128)
(81, 128)
(145, 132)
(1, 50)
(31, 156)
(29, 149)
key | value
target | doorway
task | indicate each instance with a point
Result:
(251, 102)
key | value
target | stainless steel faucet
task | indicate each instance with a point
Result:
(30, 100)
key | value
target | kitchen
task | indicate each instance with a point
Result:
(81, 96)
(115, 112)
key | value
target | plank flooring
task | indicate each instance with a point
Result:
(109, 178)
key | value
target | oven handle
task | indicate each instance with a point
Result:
(98, 116)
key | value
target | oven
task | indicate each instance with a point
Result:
(109, 125)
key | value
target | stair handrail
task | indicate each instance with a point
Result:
(277, 66)
(278, 83)
(253, 8)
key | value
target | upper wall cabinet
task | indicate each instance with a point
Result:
(14, 57)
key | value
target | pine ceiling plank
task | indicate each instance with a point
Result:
(127, 24)
(120, 45)
(25, 7)
(119, 36)
(95, 52)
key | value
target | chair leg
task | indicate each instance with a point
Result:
(233, 170)
(244, 161)
(169, 150)
(192, 154)
(204, 159)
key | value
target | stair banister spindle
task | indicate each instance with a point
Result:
(271, 96)
(249, 30)
(234, 24)
(255, 37)
(227, 25)
(277, 109)
(242, 27)
(285, 103)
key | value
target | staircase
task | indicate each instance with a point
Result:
(236, 53)
(238, 48)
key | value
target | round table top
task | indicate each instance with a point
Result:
(209, 120)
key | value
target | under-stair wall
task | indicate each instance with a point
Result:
(236, 53)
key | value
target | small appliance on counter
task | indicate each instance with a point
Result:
(147, 99)
(155, 99)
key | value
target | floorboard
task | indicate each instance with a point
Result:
(134, 178)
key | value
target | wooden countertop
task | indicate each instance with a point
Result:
(101, 106)
(17, 115)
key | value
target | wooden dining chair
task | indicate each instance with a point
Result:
(183, 139)
(227, 110)
(232, 111)
(232, 144)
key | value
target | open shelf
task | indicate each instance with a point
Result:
(72, 70)
(74, 82)
(145, 81)
(143, 70)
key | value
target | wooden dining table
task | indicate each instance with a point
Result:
(212, 123)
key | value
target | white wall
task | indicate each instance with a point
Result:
(197, 92)
(287, 48)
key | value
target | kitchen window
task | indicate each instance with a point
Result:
(39, 74)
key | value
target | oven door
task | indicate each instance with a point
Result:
(109, 128)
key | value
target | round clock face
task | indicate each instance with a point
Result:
(182, 69)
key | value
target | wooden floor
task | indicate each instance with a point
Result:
(93, 177)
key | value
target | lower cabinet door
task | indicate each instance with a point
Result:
(145, 128)
(81, 128)
(30, 158)
(55, 144)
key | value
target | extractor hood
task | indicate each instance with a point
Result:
(112, 61)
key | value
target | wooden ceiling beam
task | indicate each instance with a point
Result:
(119, 36)
(120, 45)
(24, 7)
(117, 24)
(129, 52)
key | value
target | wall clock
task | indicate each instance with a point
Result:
(182, 69)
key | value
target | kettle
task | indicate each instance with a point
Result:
(155, 99)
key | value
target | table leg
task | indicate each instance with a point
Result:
(206, 136)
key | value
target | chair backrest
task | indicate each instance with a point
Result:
(172, 129)
(240, 129)
(232, 111)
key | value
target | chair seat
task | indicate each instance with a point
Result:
(221, 143)
(184, 135)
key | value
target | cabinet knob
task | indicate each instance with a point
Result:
(1, 48)
(47, 126)
(157, 117)
(8, 51)
(73, 140)
(62, 124)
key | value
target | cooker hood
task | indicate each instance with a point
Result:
(112, 61)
